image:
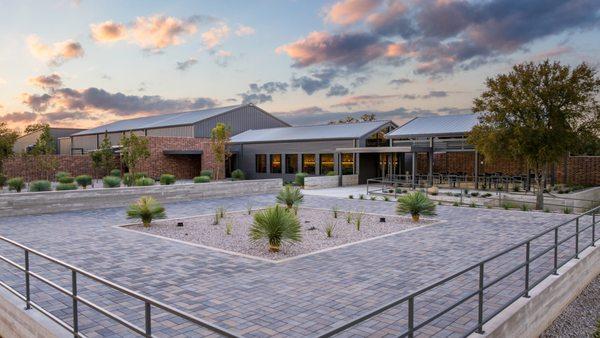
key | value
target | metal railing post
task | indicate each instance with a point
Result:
(148, 320)
(594, 228)
(577, 238)
(527, 254)
(411, 316)
(27, 282)
(480, 310)
(75, 311)
(556, 251)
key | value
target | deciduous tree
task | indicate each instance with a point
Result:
(220, 137)
(133, 149)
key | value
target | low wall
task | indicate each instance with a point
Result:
(530, 317)
(321, 182)
(57, 201)
(15, 321)
(348, 180)
(578, 201)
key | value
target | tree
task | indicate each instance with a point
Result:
(35, 127)
(133, 149)
(350, 119)
(104, 158)
(219, 144)
(7, 140)
(43, 151)
(536, 113)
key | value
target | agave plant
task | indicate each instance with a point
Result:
(146, 209)
(290, 196)
(415, 204)
(277, 225)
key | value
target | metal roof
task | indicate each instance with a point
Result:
(309, 133)
(158, 121)
(443, 125)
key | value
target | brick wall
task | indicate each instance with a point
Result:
(182, 166)
(580, 170)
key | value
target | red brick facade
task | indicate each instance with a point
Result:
(182, 166)
(580, 169)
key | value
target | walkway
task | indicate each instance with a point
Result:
(301, 297)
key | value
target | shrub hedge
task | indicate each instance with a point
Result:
(60, 174)
(16, 184)
(207, 172)
(3, 180)
(238, 175)
(201, 179)
(84, 180)
(111, 182)
(300, 178)
(66, 179)
(115, 173)
(41, 185)
(66, 186)
(144, 182)
(167, 179)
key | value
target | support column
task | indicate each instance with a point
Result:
(430, 172)
(414, 168)
(476, 170)
(338, 167)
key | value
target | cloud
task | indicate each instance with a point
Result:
(345, 49)
(20, 117)
(96, 100)
(263, 93)
(184, 65)
(440, 36)
(55, 54)
(435, 93)
(108, 31)
(337, 90)
(214, 36)
(348, 12)
(553, 53)
(370, 100)
(152, 33)
(222, 57)
(47, 81)
(400, 81)
(244, 30)
(68, 117)
(318, 80)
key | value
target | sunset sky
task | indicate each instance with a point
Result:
(84, 63)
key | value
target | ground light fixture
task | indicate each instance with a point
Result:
(179, 224)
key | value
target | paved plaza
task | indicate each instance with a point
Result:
(301, 297)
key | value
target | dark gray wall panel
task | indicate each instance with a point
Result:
(241, 119)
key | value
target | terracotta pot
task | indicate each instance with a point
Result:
(415, 217)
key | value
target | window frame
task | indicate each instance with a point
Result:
(273, 169)
(314, 164)
(257, 162)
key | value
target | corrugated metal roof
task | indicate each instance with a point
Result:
(158, 121)
(307, 133)
(436, 125)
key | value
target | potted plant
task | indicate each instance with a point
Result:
(415, 204)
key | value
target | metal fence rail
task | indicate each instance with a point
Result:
(73, 328)
(482, 286)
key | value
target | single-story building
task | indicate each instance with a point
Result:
(26, 142)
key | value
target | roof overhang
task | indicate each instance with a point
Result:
(182, 152)
(390, 135)
(375, 150)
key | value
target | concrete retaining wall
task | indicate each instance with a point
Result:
(323, 182)
(530, 317)
(579, 201)
(57, 201)
(17, 322)
(348, 180)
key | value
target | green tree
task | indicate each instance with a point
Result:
(7, 140)
(536, 113)
(104, 158)
(43, 151)
(133, 149)
(350, 119)
(35, 127)
(220, 137)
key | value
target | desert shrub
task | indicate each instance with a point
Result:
(289, 196)
(66, 179)
(415, 204)
(140, 175)
(455, 204)
(373, 198)
(144, 182)
(3, 180)
(486, 195)
(16, 184)
(507, 205)
(201, 179)
(42, 185)
(146, 209)
(475, 194)
(329, 230)
(111, 182)
(335, 209)
(167, 179)
(348, 217)
(567, 210)
(115, 173)
(361, 197)
(386, 198)
(351, 197)
(358, 220)
(473, 205)
(128, 179)
(84, 180)
(277, 225)
(331, 173)
(60, 174)
(524, 207)
(228, 228)
(299, 178)
(66, 186)
(238, 175)
(207, 172)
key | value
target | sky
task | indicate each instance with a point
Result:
(85, 63)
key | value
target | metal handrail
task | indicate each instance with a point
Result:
(74, 328)
(482, 286)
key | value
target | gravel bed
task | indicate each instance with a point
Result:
(201, 230)
(581, 318)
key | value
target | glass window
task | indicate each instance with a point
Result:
(276, 163)
(291, 163)
(347, 164)
(261, 163)
(326, 163)
(308, 163)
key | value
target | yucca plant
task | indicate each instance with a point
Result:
(228, 228)
(329, 230)
(290, 196)
(415, 204)
(335, 210)
(146, 209)
(277, 225)
(16, 183)
(358, 220)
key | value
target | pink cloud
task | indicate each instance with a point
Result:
(51, 81)
(108, 31)
(56, 53)
(347, 12)
(214, 36)
(244, 31)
